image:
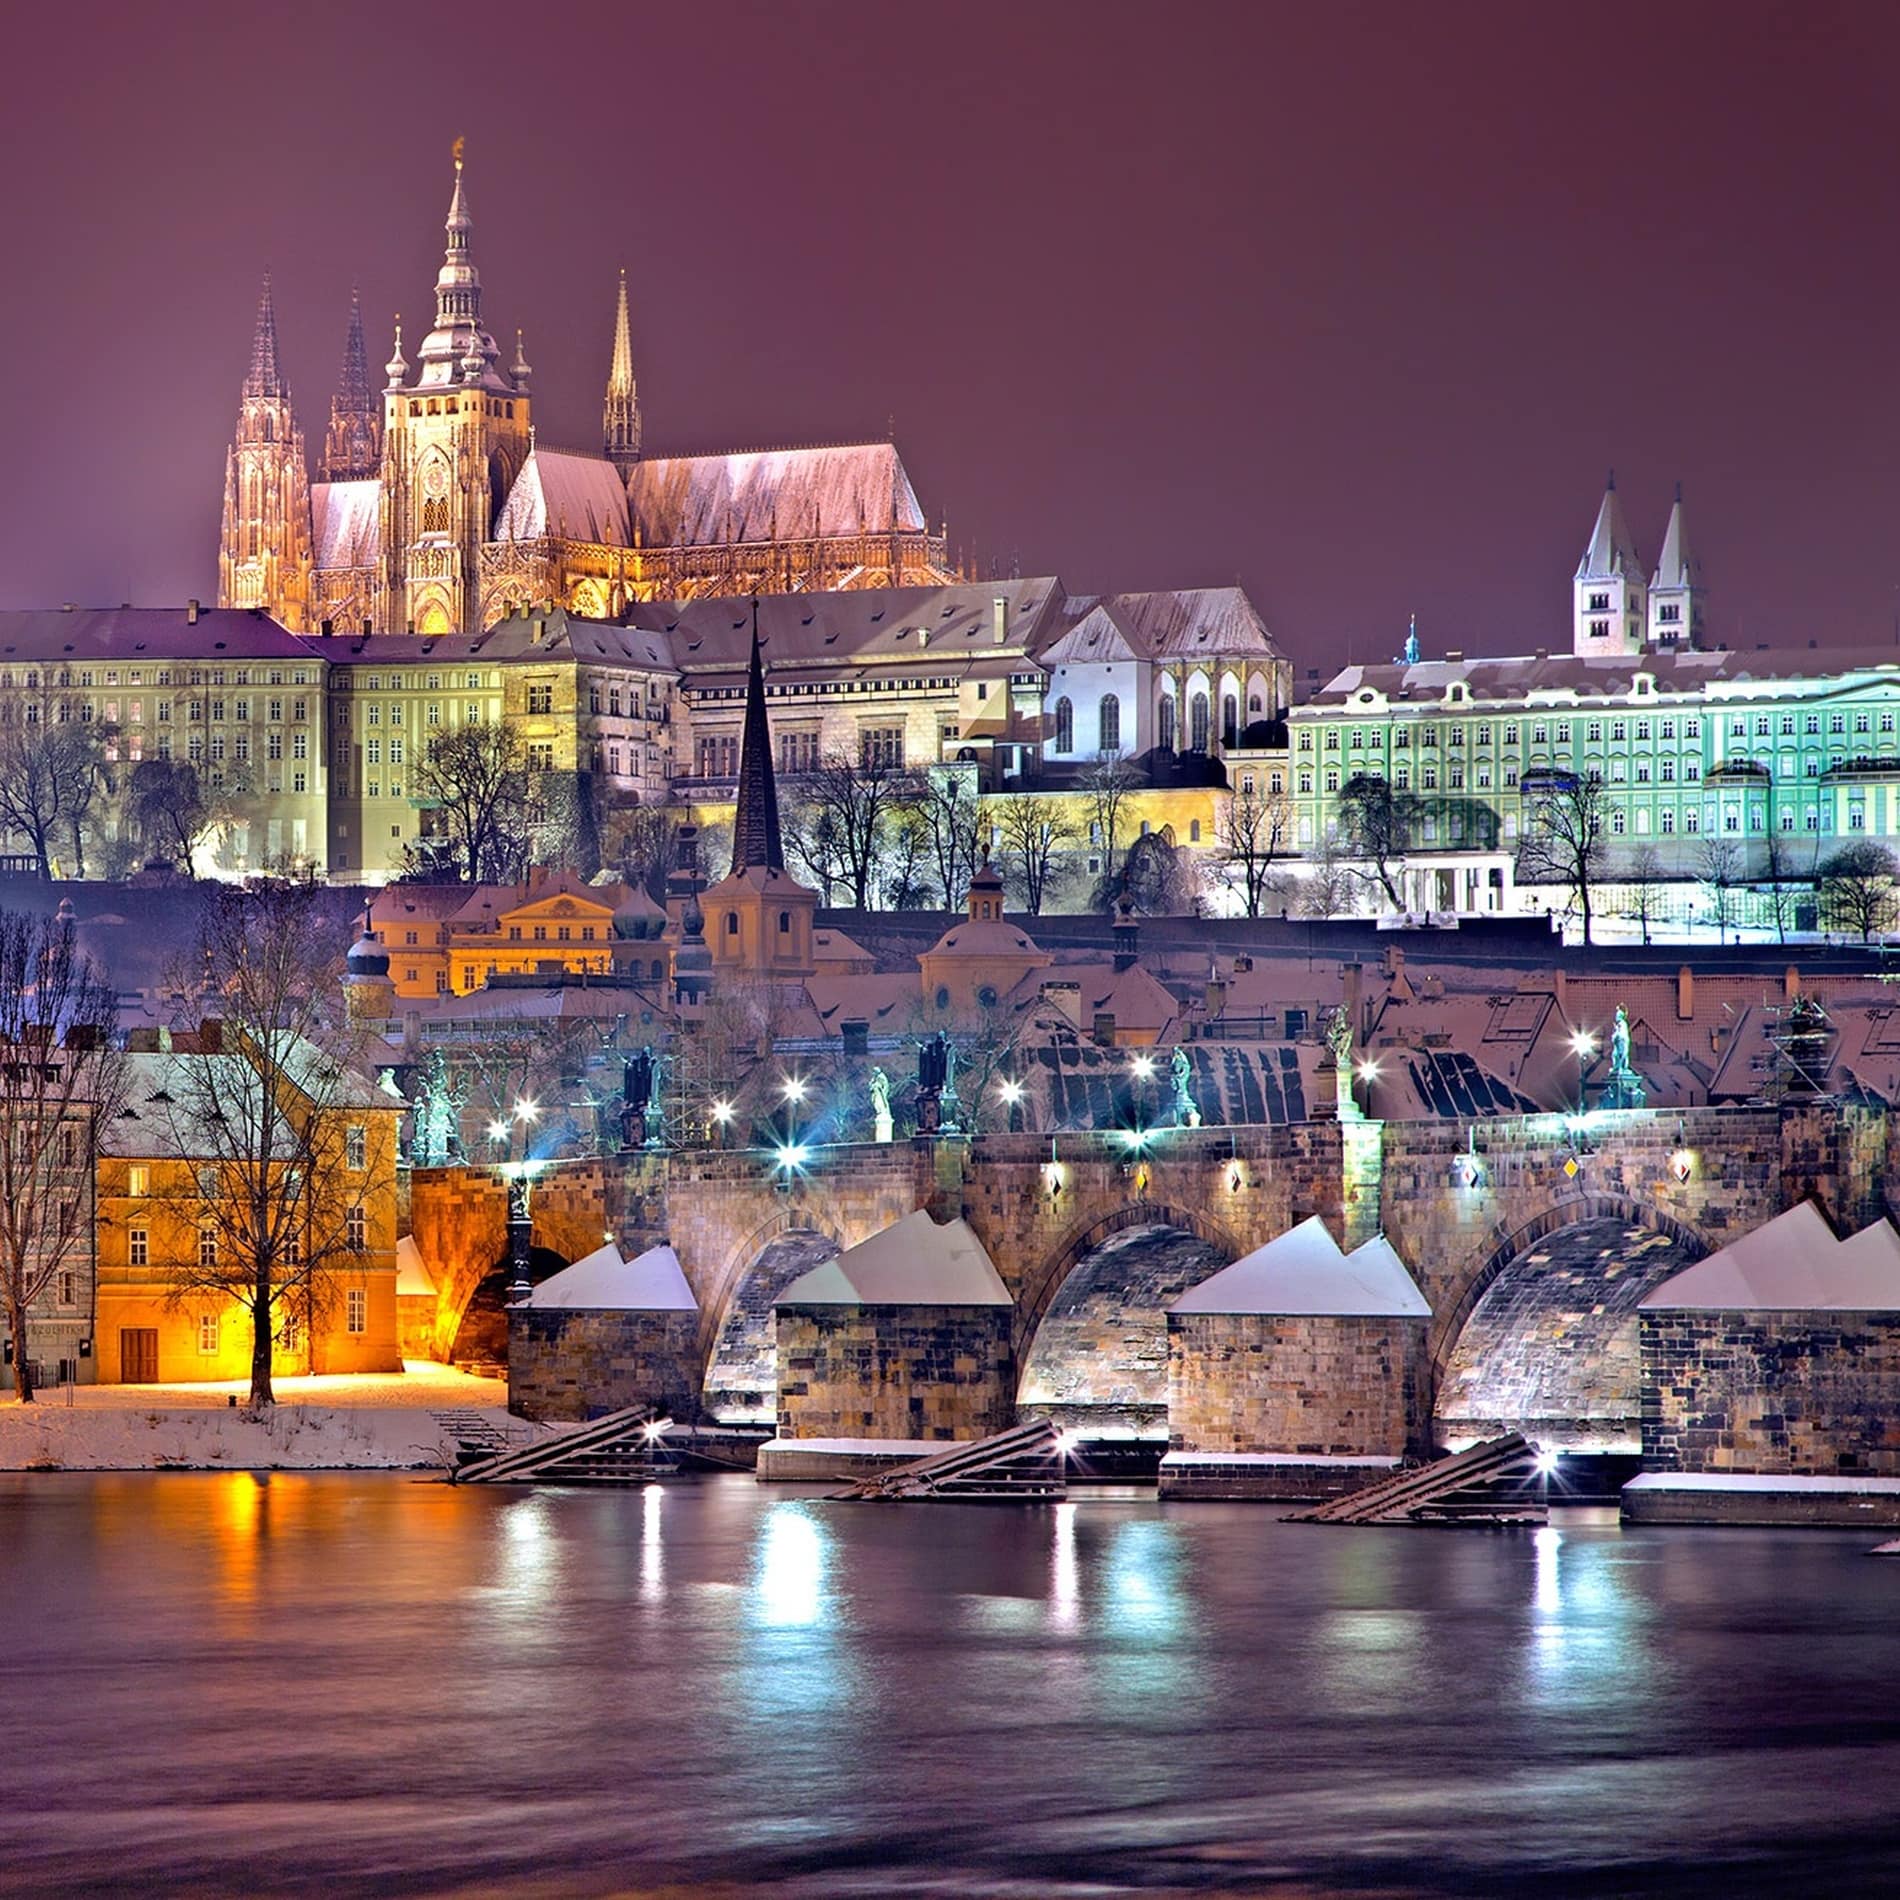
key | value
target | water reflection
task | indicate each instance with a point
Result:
(715, 1687)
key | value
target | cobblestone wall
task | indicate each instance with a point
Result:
(1322, 1387)
(582, 1364)
(894, 1371)
(1816, 1394)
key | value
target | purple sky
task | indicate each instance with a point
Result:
(1356, 302)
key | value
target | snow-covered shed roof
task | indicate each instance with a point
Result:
(1303, 1272)
(603, 1282)
(1793, 1263)
(769, 494)
(346, 523)
(576, 497)
(916, 1262)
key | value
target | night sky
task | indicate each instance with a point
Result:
(1354, 302)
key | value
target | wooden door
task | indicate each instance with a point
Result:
(138, 1355)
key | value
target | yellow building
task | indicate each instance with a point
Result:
(155, 1177)
(561, 923)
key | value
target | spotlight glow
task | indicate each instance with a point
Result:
(791, 1156)
(1582, 1043)
(526, 1110)
(1066, 1442)
(497, 1131)
(1010, 1090)
(722, 1113)
(1143, 1066)
(794, 1088)
(1547, 1462)
(1368, 1070)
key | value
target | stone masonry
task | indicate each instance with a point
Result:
(582, 1364)
(894, 1371)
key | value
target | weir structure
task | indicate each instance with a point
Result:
(1532, 1239)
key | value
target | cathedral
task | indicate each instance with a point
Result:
(435, 511)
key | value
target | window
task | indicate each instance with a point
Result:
(540, 700)
(138, 1180)
(1540, 735)
(541, 755)
(1667, 818)
(356, 1234)
(207, 1246)
(1197, 723)
(1692, 820)
(138, 1247)
(882, 745)
(208, 1333)
(357, 1318)
(1111, 723)
(1065, 725)
(356, 1146)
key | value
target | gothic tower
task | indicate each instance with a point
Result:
(353, 448)
(1610, 593)
(1678, 595)
(454, 439)
(264, 549)
(620, 422)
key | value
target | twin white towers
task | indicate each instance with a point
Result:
(1616, 610)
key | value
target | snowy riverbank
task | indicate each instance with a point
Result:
(400, 1421)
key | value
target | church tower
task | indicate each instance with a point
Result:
(1610, 612)
(1678, 595)
(264, 548)
(353, 447)
(454, 438)
(759, 917)
(620, 422)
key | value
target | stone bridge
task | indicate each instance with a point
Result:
(1532, 1237)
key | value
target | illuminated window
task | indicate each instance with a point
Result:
(356, 1142)
(138, 1247)
(356, 1235)
(208, 1333)
(357, 1319)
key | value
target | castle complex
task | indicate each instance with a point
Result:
(436, 511)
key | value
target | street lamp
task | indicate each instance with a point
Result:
(721, 1119)
(794, 1088)
(1583, 1046)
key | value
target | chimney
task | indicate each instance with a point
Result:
(1066, 997)
(1790, 983)
(537, 630)
(325, 629)
(1685, 994)
(1215, 996)
(191, 613)
(1127, 939)
(1104, 1031)
(211, 1036)
(856, 1032)
(366, 625)
(1454, 653)
(999, 620)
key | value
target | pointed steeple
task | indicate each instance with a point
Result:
(1677, 566)
(458, 334)
(620, 420)
(756, 844)
(263, 377)
(1612, 549)
(353, 445)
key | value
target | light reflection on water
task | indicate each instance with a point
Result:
(364, 1685)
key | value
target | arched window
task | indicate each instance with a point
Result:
(1194, 831)
(1166, 722)
(1197, 722)
(1229, 719)
(1111, 723)
(732, 923)
(784, 923)
(1065, 726)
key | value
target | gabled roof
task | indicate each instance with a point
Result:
(412, 1271)
(1612, 550)
(771, 494)
(346, 523)
(914, 1263)
(604, 1282)
(1093, 640)
(574, 497)
(1205, 623)
(1304, 1273)
(127, 635)
(1792, 1264)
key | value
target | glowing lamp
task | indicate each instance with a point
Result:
(1582, 1043)
(1547, 1462)
(722, 1113)
(794, 1088)
(497, 1131)
(1143, 1067)
(791, 1156)
(1368, 1070)
(1010, 1090)
(526, 1111)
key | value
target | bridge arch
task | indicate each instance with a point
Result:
(1093, 1334)
(1542, 1336)
(481, 1327)
(736, 1331)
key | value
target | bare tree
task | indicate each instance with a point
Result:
(1379, 824)
(1252, 833)
(1563, 837)
(947, 815)
(1858, 889)
(1327, 888)
(1719, 874)
(1107, 784)
(906, 861)
(60, 1082)
(840, 820)
(168, 804)
(476, 785)
(644, 841)
(1645, 877)
(1157, 879)
(50, 778)
(1034, 835)
(274, 1114)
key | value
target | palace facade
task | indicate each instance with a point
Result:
(436, 511)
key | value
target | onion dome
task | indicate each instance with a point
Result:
(397, 367)
(366, 958)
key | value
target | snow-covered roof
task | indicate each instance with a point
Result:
(346, 523)
(1612, 549)
(603, 1282)
(412, 1271)
(770, 494)
(914, 1263)
(1303, 1272)
(577, 497)
(1792, 1264)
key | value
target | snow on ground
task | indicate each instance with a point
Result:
(329, 1422)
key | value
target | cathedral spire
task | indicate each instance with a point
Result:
(353, 446)
(458, 334)
(620, 421)
(756, 844)
(263, 377)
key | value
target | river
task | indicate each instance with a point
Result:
(369, 1685)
